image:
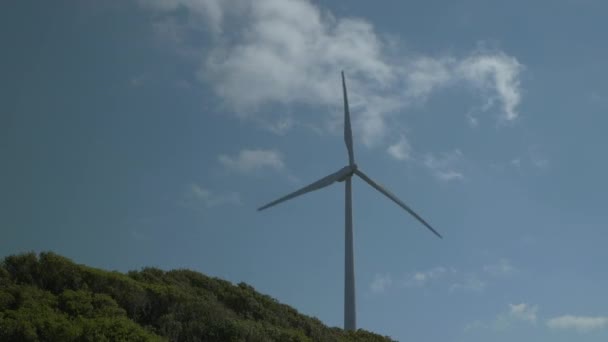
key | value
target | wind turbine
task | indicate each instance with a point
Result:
(345, 174)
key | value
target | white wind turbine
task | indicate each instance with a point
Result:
(345, 174)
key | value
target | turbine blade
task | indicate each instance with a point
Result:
(348, 134)
(321, 183)
(396, 200)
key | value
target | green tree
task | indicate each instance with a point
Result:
(50, 298)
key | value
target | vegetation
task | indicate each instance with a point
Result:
(47, 297)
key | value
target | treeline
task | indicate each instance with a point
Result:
(47, 297)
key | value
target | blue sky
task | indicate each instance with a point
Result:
(146, 133)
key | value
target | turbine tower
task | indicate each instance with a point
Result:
(345, 175)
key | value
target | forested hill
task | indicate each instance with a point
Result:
(48, 297)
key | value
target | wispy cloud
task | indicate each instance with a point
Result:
(289, 52)
(532, 159)
(197, 196)
(381, 283)
(253, 160)
(204, 14)
(445, 166)
(525, 312)
(457, 280)
(423, 278)
(470, 283)
(475, 325)
(537, 158)
(521, 312)
(453, 279)
(472, 118)
(400, 150)
(579, 323)
(497, 74)
(500, 269)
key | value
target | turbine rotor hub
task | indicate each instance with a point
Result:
(350, 171)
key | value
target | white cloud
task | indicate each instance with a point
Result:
(502, 268)
(381, 283)
(524, 312)
(422, 278)
(426, 74)
(517, 312)
(496, 73)
(196, 196)
(443, 166)
(579, 323)
(400, 150)
(253, 160)
(449, 175)
(458, 280)
(290, 52)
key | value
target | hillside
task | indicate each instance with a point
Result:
(48, 297)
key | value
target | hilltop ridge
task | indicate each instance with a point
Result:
(48, 297)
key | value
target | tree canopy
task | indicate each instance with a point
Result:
(48, 297)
